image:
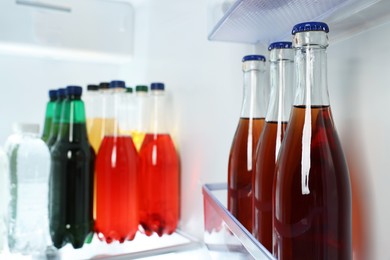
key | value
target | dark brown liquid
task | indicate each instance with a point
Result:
(263, 179)
(241, 168)
(312, 219)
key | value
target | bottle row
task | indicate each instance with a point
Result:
(288, 180)
(62, 190)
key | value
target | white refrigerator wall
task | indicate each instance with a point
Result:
(204, 82)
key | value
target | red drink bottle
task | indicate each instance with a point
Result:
(116, 176)
(278, 113)
(159, 198)
(242, 152)
(312, 193)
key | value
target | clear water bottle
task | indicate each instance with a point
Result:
(29, 163)
(3, 194)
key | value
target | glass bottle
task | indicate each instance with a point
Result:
(312, 193)
(71, 176)
(29, 164)
(49, 114)
(141, 104)
(54, 129)
(278, 113)
(3, 195)
(116, 176)
(242, 152)
(159, 178)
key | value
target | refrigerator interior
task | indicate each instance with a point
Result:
(168, 42)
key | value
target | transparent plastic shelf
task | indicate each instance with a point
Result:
(264, 21)
(224, 235)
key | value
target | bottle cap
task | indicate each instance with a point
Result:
(61, 92)
(92, 87)
(310, 26)
(117, 84)
(280, 45)
(157, 86)
(141, 88)
(104, 85)
(53, 93)
(129, 90)
(74, 90)
(253, 57)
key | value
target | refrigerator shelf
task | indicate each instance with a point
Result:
(224, 235)
(262, 21)
(176, 246)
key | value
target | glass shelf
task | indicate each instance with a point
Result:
(224, 235)
(176, 246)
(263, 21)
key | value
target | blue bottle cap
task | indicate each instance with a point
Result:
(310, 26)
(74, 90)
(253, 57)
(53, 93)
(117, 84)
(157, 86)
(280, 45)
(61, 92)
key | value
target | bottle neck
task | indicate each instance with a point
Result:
(157, 120)
(282, 85)
(114, 117)
(255, 91)
(72, 123)
(311, 71)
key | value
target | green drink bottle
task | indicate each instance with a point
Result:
(71, 176)
(61, 93)
(53, 95)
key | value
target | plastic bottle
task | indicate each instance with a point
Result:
(242, 152)
(56, 119)
(100, 122)
(53, 95)
(159, 178)
(117, 215)
(3, 195)
(128, 110)
(278, 113)
(312, 193)
(29, 161)
(92, 105)
(71, 176)
(141, 103)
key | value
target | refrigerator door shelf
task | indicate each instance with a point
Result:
(262, 22)
(224, 235)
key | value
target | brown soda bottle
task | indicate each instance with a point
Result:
(278, 113)
(312, 193)
(242, 152)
